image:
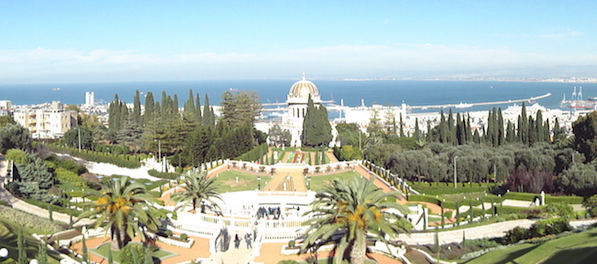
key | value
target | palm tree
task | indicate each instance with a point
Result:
(198, 190)
(125, 207)
(347, 212)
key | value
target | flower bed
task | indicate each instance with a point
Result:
(176, 241)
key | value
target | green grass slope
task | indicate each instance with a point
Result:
(577, 248)
(8, 239)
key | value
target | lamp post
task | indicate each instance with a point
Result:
(259, 183)
(3, 252)
(455, 157)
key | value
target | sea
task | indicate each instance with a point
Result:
(350, 93)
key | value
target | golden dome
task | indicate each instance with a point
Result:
(303, 89)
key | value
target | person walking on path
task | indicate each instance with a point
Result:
(248, 240)
(236, 240)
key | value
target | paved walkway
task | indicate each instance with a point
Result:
(295, 175)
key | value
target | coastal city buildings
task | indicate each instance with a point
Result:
(46, 121)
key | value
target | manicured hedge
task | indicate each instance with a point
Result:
(423, 198)
(123, 160)
(521, 196)
(548, 198)
(55, 208)
(254, 154)
(163, 175)
(564, 199)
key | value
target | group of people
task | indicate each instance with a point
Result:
(248, 240)
(269, 213)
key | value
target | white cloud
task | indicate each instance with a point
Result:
(48, 65)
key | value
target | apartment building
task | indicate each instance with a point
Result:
(48, 122)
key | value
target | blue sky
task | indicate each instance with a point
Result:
(97, 41)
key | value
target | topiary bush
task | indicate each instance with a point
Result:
(183, 236)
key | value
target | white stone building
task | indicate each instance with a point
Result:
(297, 108)
(46, 123)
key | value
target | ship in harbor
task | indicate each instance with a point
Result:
(577, 102)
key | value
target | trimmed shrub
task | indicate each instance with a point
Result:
(184, 236)
(559, 209)
(163, 175)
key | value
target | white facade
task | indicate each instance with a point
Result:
(89, 98)
(46, 123)
(297, 99)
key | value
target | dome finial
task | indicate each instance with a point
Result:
(304, 76)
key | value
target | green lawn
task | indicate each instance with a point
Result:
(226, 181)
(103, 249)
(572, 249)
(318, 182)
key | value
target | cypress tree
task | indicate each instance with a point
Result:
(468, 130)
(401, 126)
(174, 106)
(42, 254)
(451, 128)
(500, 127)
(137, 107)
(460, 129)
(539, 126)
(443, 133)
(209, 118)
(189, 112)
(85, 257)
(149, 108)
(510, 133)
(533, 135)
(523, 125)
(477, 137)
(198, 113)
(417, 133)
(22, 257)
(557, 131)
